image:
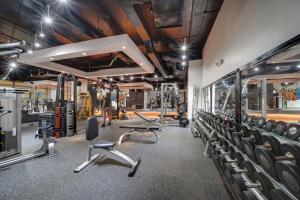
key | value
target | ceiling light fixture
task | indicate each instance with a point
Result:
(63, 1)
(84, 54)
(122, 78)
(47, 19)
(13, 64)
(155, 76)
(30, 51)
(183, 47)
(42, 34)
(183, 63)
(111, 79)
(256, 69)
(123, 47)
(277, 68)
(131, 78)
(298, 66)
(183, 57)
(51, 58)
(142, 77)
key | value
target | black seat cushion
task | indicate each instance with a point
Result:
(91, 128)
(106, 145)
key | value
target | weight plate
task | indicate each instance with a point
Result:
(255, 134)
(250, 170)
(244, 130)
(266, 184)
(289, 174)
(290, 149)
(249, 195)
(280, 128)
(229, 171)
(271, 141)
(225, 146)
(278, 194)
(248, 147)
(266, 159)
(244, 117)
(222, 160)
(236, 140)
(260, 122)
(270, 125)
(239, 158)
(231, 152)
(229, 135)
(249, 119)
(293, 131)
(239, 183)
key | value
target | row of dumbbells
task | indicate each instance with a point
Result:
(261, 149)
(288, 130)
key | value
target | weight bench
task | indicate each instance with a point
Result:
(139, 128)
(147, 120)
(92, 133)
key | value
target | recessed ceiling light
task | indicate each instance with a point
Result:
(37, 45)
(47, 20)
(123, 47)
(63, 1)
(277, 68)
(142, 64)
(122, 78)
(155, 76)
(42, 35)
(51, 58)
(256, 69)
(286, 83)
(183, 57)
(111, 79)
(142, 77)
(84, 54)
(131, 78)
(298, 66)
(183, 47)
(30, 51)
(183, 63)
(12, 64)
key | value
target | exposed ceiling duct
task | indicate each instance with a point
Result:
(167, 13)
(12, 44)
(10, 52)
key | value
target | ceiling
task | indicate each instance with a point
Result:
(157, 27)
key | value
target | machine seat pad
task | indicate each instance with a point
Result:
(139, 127)
(106, 145)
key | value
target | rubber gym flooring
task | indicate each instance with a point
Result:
(174, 168)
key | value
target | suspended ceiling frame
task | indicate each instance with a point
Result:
(45, 58)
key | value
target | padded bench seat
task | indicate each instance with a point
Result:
(140, 127)
(104, 145)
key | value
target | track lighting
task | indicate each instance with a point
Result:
(48, 19)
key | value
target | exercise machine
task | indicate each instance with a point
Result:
(65, 110)
(166, 90)
(92, 133)
(10, 123)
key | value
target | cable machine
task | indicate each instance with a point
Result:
(65, 110)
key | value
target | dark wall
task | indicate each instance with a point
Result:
(136, 99)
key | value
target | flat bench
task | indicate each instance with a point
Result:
(92, 133)
(139, 128)
(146, 119)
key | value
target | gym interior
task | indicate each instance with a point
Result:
(149, 99)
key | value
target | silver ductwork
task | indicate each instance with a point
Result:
(12, 45)
(9, 52)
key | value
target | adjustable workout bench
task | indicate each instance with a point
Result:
(140, 128)
(147, 120)
(92, 133)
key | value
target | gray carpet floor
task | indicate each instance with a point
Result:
(174, 168)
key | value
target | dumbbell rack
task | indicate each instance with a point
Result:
(258, 168)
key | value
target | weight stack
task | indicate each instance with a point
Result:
(50, 122)
(63, 122)
(70, 119)
(58, 120)
(2, 140)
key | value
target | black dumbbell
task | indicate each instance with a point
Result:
(293, 131)
(262, 183)
(246, 167)
(237, 136)
(248, 144)
(287, 167)
(230, 157)
(279, 128)
(235, 166)
(260, 122)
(268, 159)
(270, 125)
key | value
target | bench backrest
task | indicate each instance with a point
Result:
(92, 128)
